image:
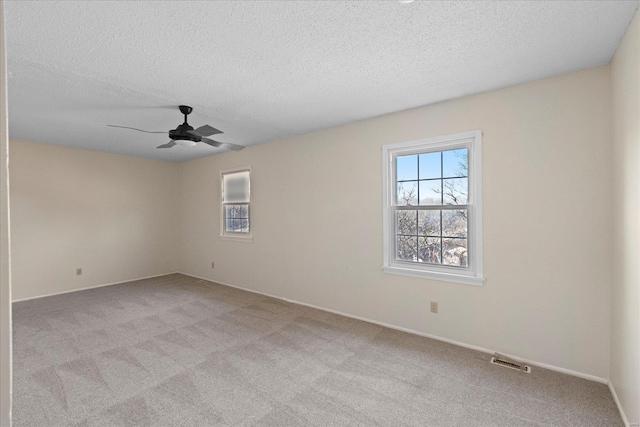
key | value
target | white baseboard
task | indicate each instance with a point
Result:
(619, 405)
(95, 286)
(414, 332)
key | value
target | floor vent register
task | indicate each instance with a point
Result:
(507, 362)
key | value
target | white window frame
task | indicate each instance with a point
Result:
(226, 235)
(473, 273)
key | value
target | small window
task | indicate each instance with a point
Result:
(236, 203)
(433, 208)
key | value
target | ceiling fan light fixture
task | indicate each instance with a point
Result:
(185, 142)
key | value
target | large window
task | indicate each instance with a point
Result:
(236, 192)
(433, 208)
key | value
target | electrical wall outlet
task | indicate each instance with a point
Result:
(211, 264)
(434, 307)
(78, 271)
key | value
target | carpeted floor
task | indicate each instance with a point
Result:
(177, 351)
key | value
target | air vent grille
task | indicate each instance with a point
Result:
(501, 360)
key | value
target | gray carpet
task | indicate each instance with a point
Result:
(177, 351)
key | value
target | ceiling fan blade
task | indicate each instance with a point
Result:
(230, 146)
(167, 145)
(206, 130)
(234, 147)
(139, 130)
(211, 142)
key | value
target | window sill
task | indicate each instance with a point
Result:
(245, 238)
(445, 277)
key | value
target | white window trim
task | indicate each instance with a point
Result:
(473, 275)
(239, 237)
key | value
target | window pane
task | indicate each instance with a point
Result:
(237, 218)
(406, 248)
(238, 211)
(455, 163)
(236, 187)
(406, 222)
(455, 191)
(430, 165)
(407, 193)
(429, 250)
(430, 192)
(242, 225)
(454, 252)
(429, 223)
(454, 223)
(407, 168)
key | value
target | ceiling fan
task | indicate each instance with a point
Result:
(187, 136)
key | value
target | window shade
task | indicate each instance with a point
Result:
(236, 187)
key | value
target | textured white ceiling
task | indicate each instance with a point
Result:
(265, 70)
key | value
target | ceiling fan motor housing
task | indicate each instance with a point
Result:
(182, 133)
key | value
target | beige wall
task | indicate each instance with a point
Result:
(113, 216)
(5, 276)
(625, 318)
(317, 222)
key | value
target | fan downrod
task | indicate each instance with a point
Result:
(186, 110)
